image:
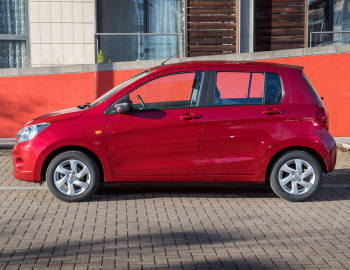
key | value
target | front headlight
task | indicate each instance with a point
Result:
(29, 132)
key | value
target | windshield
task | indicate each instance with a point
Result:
(118, 88)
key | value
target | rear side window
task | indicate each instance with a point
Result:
(247, 88)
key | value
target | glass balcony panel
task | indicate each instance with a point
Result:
(158, 47)
(329, 39)
(119, 48)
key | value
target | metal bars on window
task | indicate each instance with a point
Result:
(14, 36)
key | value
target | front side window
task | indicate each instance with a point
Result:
(172, 91)
(247, 88)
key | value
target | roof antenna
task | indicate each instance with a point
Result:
(172, 56)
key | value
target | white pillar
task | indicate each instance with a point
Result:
(246, 24)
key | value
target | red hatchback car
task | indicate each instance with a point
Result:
(194, 121)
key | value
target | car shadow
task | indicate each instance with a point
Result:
(335, 187)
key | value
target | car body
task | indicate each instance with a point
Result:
(216, 121)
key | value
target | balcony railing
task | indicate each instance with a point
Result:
(120, 47)
(329, 38)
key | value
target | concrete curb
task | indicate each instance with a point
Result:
(341, 140)
(7, 143)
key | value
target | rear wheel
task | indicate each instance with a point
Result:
(296, 176)
(72, 176)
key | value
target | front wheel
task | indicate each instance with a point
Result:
(72, 176)
(296, 176)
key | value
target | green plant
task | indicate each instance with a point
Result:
(100, 56)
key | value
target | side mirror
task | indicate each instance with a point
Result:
(122, 107)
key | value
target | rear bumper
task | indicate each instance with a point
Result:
(327, 147)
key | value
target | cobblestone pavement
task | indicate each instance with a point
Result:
(158, 227)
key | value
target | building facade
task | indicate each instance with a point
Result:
(62, 32)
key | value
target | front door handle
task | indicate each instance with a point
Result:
(189, 116)
(272, 111)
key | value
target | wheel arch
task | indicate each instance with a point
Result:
(288, 149)
(63, 149)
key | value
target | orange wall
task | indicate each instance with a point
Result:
(330, 75)
(26, 97)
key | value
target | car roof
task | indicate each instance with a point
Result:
(248, 64)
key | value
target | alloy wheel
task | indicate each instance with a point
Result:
(72, 177)
(296, 176)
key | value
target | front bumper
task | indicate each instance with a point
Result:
(25, 160)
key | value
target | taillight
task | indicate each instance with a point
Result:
(322, 116)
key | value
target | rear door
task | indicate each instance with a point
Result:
(246, 115)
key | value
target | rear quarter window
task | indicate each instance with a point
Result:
(273, 88)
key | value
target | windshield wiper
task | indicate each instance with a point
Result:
(84, 106)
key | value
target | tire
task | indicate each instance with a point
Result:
(72, 176)
(296, 176)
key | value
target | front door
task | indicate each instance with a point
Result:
(246, 116)
(161, 135)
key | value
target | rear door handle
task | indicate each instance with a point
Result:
(272, 112)
(189, 116)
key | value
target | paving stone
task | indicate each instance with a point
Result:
(142, 227)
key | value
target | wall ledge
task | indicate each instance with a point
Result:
(50, 70)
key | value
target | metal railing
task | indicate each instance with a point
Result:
(139, 35)
(329, 42)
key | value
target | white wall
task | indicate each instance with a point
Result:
(61, 32)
